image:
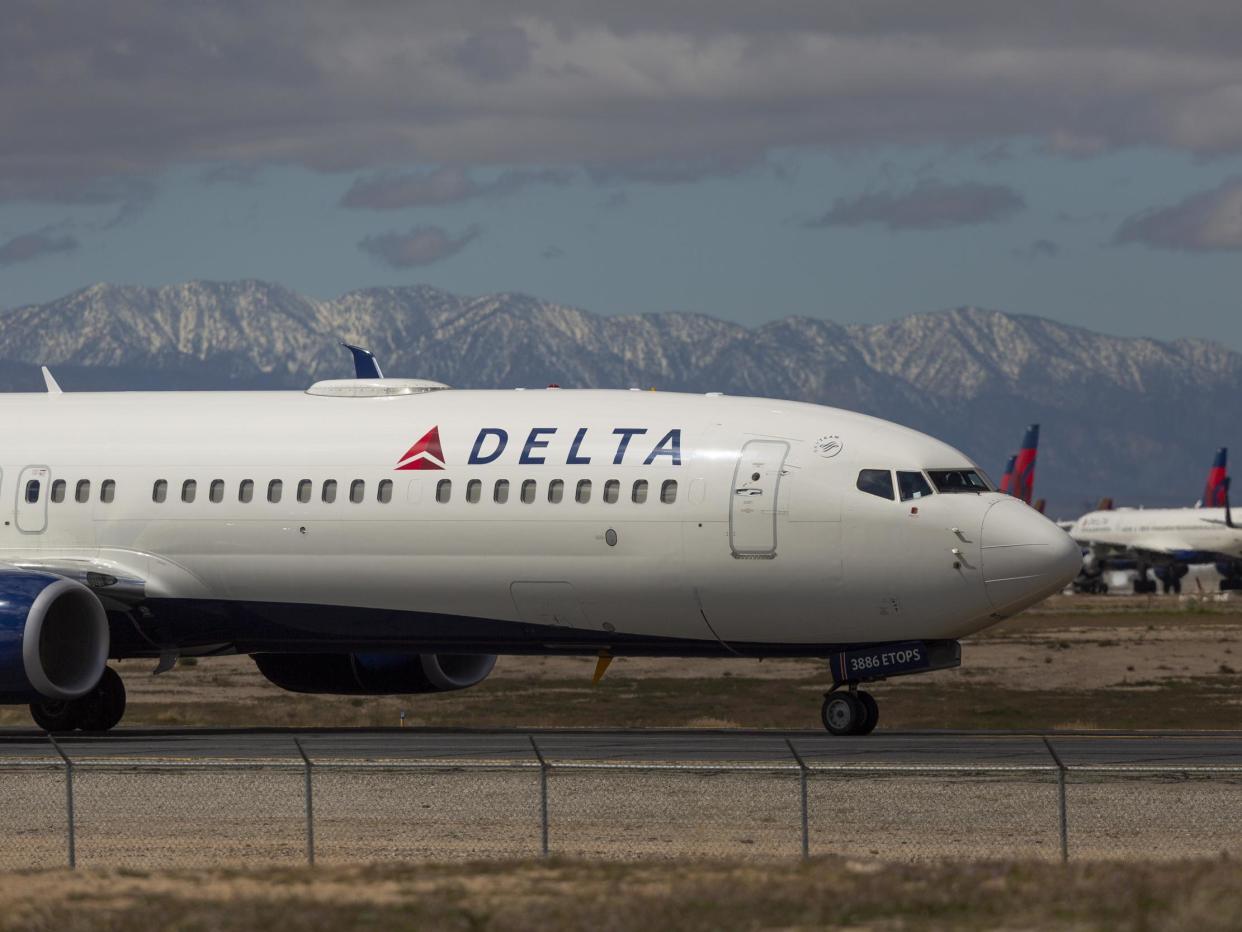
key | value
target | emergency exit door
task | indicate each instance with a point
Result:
(753, 509)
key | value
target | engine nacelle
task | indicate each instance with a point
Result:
(53, 637)
(374, 674)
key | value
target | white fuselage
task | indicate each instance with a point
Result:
(1160, 531)
(750, 529)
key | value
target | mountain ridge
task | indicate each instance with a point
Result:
(1114, 409)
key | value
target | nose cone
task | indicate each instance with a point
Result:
(1025, 556)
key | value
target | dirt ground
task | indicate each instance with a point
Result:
(685, 895)
(1074, 661)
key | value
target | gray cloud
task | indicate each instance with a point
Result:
(441, 186)
(929, 205)
(552, 252)
(422, 245)
(1209, 221)
(495, 54)
(647, 88)
(1039, 249)
(29, 246)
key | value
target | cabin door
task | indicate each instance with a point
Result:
(752, 510)
(32, 494)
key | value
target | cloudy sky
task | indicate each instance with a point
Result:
(858, 161)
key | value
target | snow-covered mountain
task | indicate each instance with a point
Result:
(1133, 418)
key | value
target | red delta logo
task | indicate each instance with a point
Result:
(425, 454)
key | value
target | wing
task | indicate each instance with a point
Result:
(118, 587)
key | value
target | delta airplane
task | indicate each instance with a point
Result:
(381, 536)
(1168, 538)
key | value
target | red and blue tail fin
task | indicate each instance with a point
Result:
(1023, 483)
(1215, 490)
(1007, 478)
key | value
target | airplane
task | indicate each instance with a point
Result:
(1022, 483)
(1166, 539)
(376, 535)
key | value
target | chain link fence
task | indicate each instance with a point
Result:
(152, 814)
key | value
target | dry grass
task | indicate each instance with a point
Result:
(685, 895)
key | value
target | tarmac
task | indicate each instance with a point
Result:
(1162, 750)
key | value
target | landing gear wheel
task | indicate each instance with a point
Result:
(56, 715)
(99, 710)
(842, 713)
(103, 706)
(871, 710)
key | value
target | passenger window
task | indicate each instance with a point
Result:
(245, 491)
(107, 491)
(329, 491)
(612, 491)
(556, 491)
(384, 493)
(444, 491)
(500, 494)
(528, 491)
(83, 492)
(668, 491)
(215, 492)
(304, 490)
(275, 489)
(32, 491)
(474, 491)
(189, 489)
(876, 482)
(58, 491)
(639, 495)
(912, 485)
(159, 491)
(357, 489)
(582, 494)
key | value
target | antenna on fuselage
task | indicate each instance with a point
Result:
(365, 366)
(52, 387)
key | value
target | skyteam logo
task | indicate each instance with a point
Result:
(425, 454)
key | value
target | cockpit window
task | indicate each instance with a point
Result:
(912, 485)
(876, 482)
(958, 480)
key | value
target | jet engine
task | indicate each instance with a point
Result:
(374, 674)
(53, 637)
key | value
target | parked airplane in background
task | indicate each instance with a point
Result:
(376, 535)
(1166, 539)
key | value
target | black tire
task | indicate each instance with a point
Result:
(871, 713)
(104, 706)
(57, 715)
(841, 713)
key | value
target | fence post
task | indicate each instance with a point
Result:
(806, 822)
(543, 797)
(1061, 792)
(310, 806)
(69, 813)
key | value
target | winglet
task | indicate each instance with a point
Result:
(365, 366)
(1226, 482)
(52, 387)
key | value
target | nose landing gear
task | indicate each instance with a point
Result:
(99, 710)
(850, 713)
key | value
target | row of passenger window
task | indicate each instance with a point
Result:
(304, 491)
(215, 491)
(328, 489)
(529, 491)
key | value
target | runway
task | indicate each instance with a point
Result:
(817, 749)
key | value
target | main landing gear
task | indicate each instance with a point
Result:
(99, 710)
(850, 713)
